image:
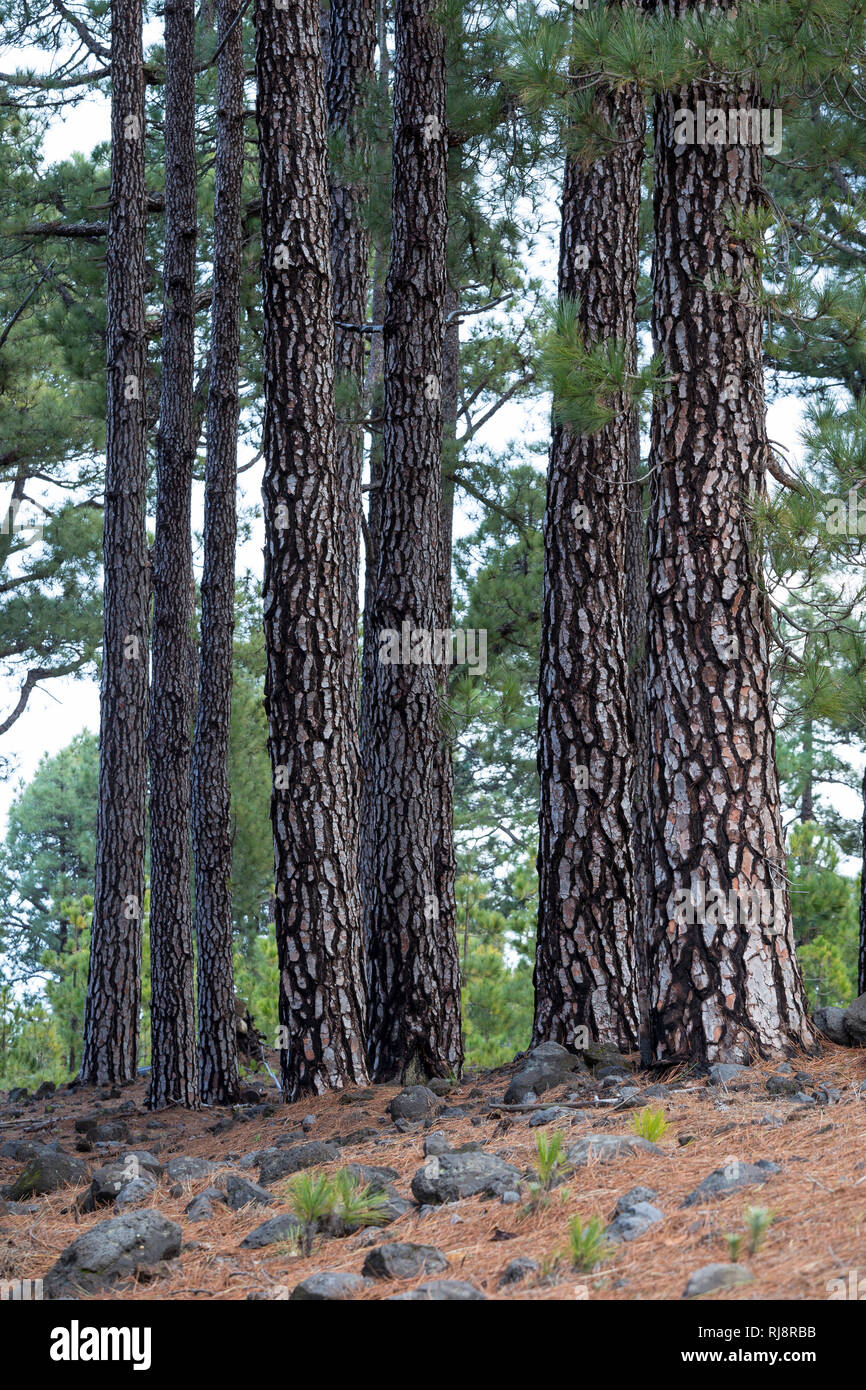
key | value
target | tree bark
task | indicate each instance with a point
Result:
(173, 1076)
(585, 968)
(312, 737)
(722, 990)
(211, 801)
(414, 1011)
(114, 982)
(350, 72)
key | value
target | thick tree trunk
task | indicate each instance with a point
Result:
(312, 738)
(414, 1013)
(173, 1062)
(370, 649)
(211, 803)
(444, 853)
(114, 982)
(585, 968)
(350, 72)
(636, 617)
(725, 982)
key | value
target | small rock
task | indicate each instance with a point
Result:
(439, 1291)
(516, 1271)
(46, 1173)
(831, 1022)
(402, 1260)
(731, 1178)
(412, 1103)
(723, 1072)
(279, 1163)
(782, 1085)
(278, 1230)
(327, 1287)
(713, 1277)
(632, 1221)
(435, 1144)
(199, 1209)
(242, 1193)
(604, 1148)
(124, 1246)
(185, 1169)
(451, 1177)
(549, 1116)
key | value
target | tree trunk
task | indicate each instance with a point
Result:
(444, 856)
(722, 990)
(114, 982)
(636, 618)
(312, 737)
(211, 803)
(414, 1013)
(369, 651)
(173, 1044)
(350, 73)
(585, 968)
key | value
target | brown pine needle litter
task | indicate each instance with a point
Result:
(818, 1200)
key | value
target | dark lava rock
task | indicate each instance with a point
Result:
(440, 1291)
(117, 1249)
(782, 1085)
(516, 1271)
(731, 1178)
(631, 1221)
(241, 1193)
(723, 1072)
(402, 1260)
(714, 1277)
(544, 1066)
(46, 1173)
(184, 1169)
(279, 1229)
(279, 1163)
(327, 1287)
(413, 1103)
(831, 1022)
(604, 1148)
(451, 1177)
(855, 1020)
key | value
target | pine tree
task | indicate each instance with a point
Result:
(586, 962)
(173, 1065)
(720, 992)
(210, 794)
(312, 740)
(349, 82)
(114, 984)
(414, 1006)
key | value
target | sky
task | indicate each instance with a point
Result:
(62, 708)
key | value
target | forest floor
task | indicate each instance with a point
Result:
(818, 1199)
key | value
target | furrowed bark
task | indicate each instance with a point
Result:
(350, 73)
(725, 985)
(114, 982)
(414, 1011)
(173, 1076)
(312, 739)
(585, 968)
(211, 802)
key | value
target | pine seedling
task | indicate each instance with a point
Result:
(758, 1222)
(588, 1244)
(650, 1123)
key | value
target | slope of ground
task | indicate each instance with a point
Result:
(816, 1242)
